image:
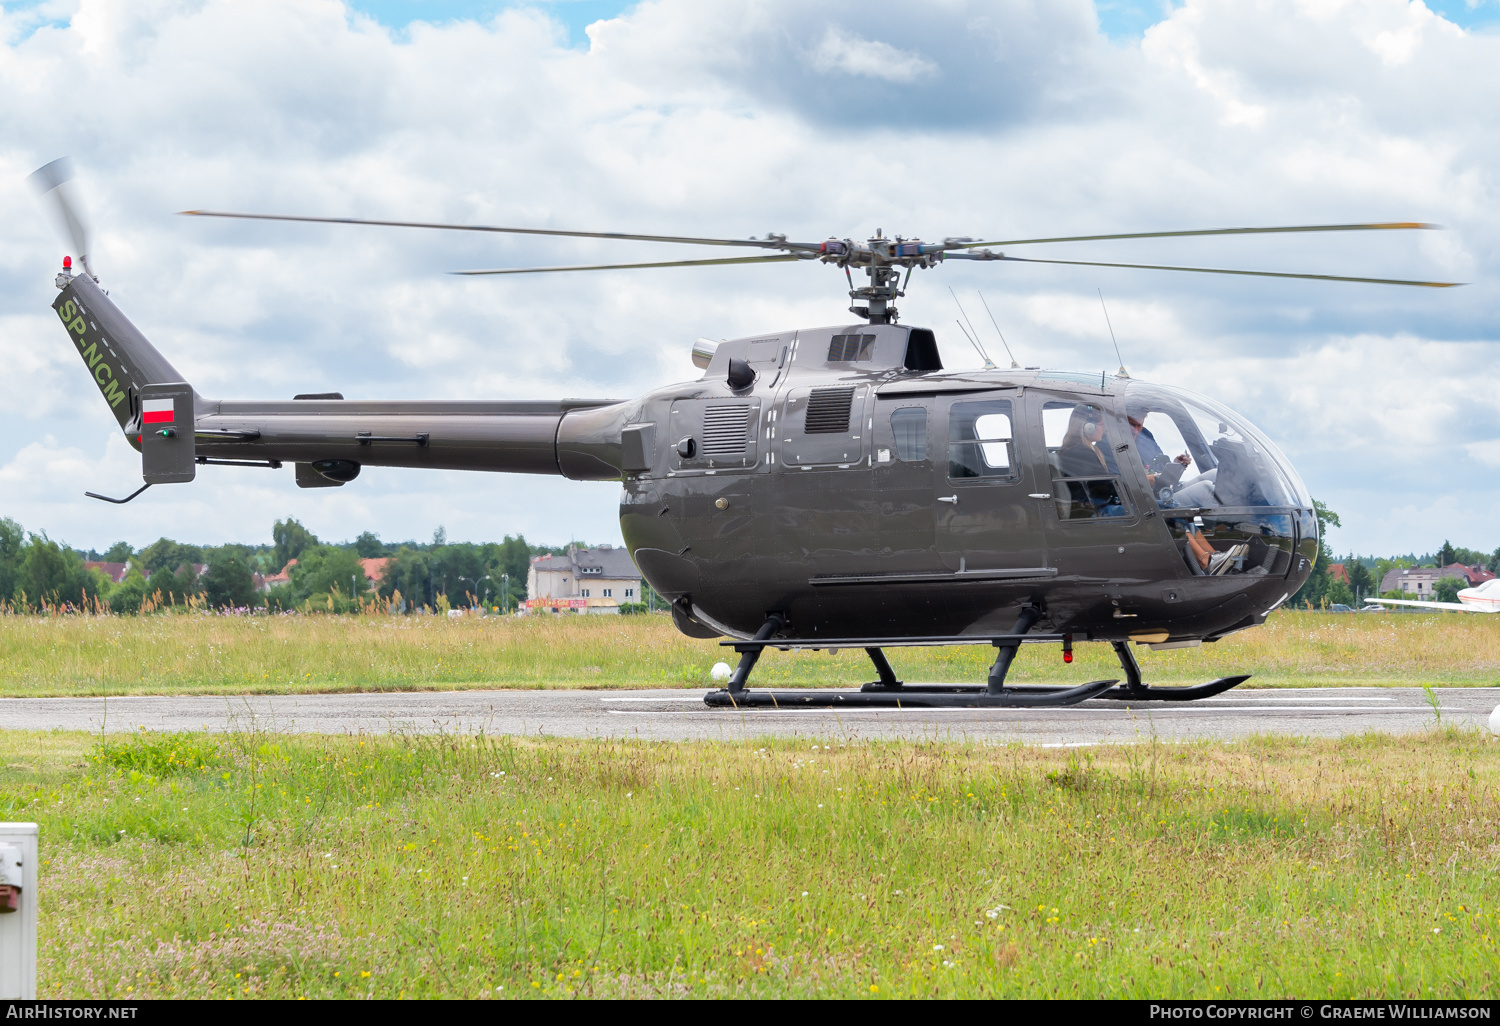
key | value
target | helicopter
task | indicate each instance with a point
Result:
(832, 487)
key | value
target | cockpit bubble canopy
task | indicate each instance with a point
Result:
(1197, 453)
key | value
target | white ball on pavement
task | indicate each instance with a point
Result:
(721, 671)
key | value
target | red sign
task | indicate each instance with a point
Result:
(557, 603)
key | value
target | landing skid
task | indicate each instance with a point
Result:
(891, 693)
(923, 697)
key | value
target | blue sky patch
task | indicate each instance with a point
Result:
(575, 14)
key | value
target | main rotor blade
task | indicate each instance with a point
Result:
(1216, 270)
(656, 263)
(753, 243)
(1376, 226)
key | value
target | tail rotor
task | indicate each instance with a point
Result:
(54, 183)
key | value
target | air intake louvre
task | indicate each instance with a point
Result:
(828, 410)
(725, 431)
(843, 348)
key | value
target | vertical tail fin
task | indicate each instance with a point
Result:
(116, 354)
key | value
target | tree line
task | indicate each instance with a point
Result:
(1366, 573)
(38, 573)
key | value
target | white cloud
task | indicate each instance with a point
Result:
(1015, 119)
(1486, 452)
(868, 58)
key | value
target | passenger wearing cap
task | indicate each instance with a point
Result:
(1145, 444)
(1197, 492)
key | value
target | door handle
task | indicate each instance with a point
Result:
(1040, 495)
(948, 498)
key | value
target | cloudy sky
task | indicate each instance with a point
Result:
(992, 118)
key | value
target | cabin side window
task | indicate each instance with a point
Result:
(909, 429)
(980, 440)
(1085, 475)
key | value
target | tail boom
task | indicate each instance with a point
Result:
(509, 437)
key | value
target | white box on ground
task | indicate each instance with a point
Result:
(18, 927)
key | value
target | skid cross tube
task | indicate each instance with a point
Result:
(750, 654)
(888, 680)
(1007, 650)
(1135, 689)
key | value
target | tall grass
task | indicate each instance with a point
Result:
(262, 866)
(165, 654)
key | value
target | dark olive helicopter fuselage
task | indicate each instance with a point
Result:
(837, 478)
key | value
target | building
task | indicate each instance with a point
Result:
(1419, 580)
(596, 580)
(1338, 572)
(373, 568)
(283, 576)
(1475, 573)
(114, 571)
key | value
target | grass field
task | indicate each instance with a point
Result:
(269, 866)
(69, 655)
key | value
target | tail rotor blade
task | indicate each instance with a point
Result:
(52, 180)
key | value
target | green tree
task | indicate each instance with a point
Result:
(53, 574)
(324, 570)
(291, 540)
(1446, 554)
(281, 597)
(168, 588)
(1339, 593)
(119, 552)
(410, 573)
(1361, 581)
(126, 597)
(228, 582)
(12, 545)
(1494, 564)
(1447, 589)
(166, 554)
(1315, 591)
(368, 545)
(515, 560)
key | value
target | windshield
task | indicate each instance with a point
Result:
(1198, 454)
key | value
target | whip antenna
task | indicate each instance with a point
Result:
(1122, 373)
(1014, 365)
(974, 338)
(977, 347)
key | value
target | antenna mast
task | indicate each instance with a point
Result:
(1014, 365)
(1122, 372)
(974, 338)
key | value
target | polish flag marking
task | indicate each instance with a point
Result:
(157, 411)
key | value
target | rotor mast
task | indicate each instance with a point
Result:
(882, 260)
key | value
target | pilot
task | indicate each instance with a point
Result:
(1145, 443)
(1198, 491)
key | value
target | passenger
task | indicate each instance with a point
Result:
(1084, 452)
(1145, 444)
(1198, 491)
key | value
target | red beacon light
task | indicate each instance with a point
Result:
(67, 264)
